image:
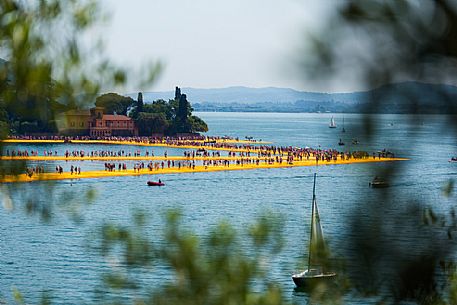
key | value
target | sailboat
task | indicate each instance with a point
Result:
(344, 130)
(317, 251)
(332, 123)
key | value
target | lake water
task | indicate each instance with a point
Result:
(36, 256)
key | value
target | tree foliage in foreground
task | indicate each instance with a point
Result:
(212, 269)
(399, 39)
(408, 256)
(46, 69)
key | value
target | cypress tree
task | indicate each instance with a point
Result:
(140, 102)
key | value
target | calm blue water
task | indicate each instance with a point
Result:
(36, 256)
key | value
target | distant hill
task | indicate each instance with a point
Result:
(426, 98)
(245, 95)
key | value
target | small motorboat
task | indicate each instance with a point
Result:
(156, 183)
(453, 159)
(378, 183)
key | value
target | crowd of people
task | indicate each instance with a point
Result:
(203, 141)
(21, 153)
(105, 153)
(134, 139)
(32, 170)
(237, 154)
(291, 153)
(286, 157)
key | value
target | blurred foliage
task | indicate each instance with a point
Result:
(223, 266)
(47, 67)
(448, 188)
(18, 297)
(373, 43)
(401, 251)
(377, 42)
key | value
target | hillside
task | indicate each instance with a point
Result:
(245, 95)
(427, 99)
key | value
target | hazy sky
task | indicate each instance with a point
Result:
(213, 43)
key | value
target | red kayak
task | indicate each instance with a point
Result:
(154, 183)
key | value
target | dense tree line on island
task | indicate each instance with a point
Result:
(114, 103)
(159, 117)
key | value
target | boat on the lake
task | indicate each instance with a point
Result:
(453, 159)
(332, 123)
(316, 273)
(156, 183)
(378, 182)
(341, 143)
(344, 130)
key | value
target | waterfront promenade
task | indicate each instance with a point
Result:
(242, 155)
(183, 170)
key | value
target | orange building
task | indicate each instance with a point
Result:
(95, 123)
(74, 122)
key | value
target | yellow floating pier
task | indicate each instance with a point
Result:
(136, 143)
(121, 158)
(182, 170)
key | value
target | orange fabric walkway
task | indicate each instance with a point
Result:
(102, 174)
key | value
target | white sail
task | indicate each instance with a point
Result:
(318, 248)
(332, 123)
(317, 253)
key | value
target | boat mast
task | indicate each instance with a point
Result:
(312, 223)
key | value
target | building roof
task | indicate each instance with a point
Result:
(116, 117)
